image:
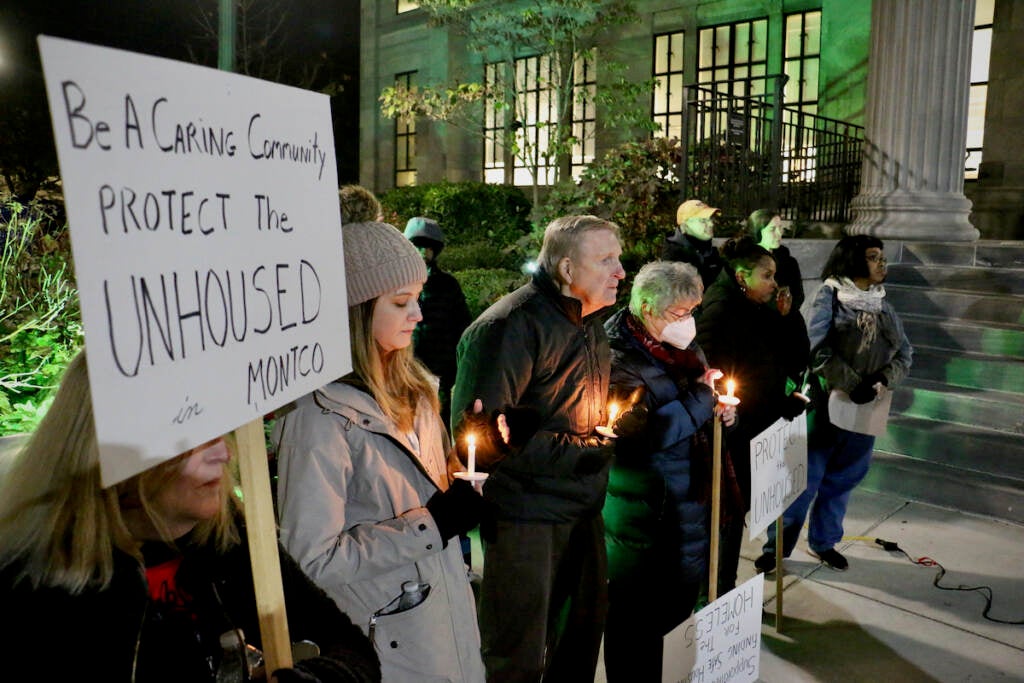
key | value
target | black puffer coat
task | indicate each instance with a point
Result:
(116, 633)
(701, 254)
(652, 512)
(533, 349)
(758, 348)
(445, 317)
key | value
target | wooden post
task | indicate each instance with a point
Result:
(778, 574)
(261, 529)
(716, 509)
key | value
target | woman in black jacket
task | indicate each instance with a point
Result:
(148, 579)
(742, 330)
(655, 512)
(765, 227)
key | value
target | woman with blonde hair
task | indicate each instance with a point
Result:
(366, 501)
(146, 580)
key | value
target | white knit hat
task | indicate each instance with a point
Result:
(378, 260)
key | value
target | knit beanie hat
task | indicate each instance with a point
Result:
(378, 259)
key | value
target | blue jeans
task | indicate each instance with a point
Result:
(835, 465)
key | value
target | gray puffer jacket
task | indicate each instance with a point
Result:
(351, 495)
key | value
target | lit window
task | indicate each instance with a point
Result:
(667, 102)
(405, 6)
(405, 139)
(734, 53)
(536, 108)
(980, 49)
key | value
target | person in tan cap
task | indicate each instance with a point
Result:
(691, 240)
(366, 499)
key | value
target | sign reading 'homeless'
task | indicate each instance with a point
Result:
(207, 244)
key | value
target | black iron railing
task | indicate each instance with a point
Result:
(744, 150)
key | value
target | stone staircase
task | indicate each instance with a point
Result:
(956, 435)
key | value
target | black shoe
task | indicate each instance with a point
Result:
(833, 559)
(765, 564)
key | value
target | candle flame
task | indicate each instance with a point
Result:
(613, 412)
(730, 387)
(471, 441)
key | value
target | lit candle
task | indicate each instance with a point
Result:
(613, 412)
(730, 387)
(471, 440)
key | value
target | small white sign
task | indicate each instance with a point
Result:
(778, 471)
(206, 235)
(720, 643)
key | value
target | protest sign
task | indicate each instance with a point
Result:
(778, 471)
(721, 643)
(206, 237)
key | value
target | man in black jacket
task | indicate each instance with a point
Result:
(445, 313)
(691, 240)
(542, 349)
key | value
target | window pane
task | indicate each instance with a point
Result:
(675, 102)
(983, 12)
(677, 52)
(810, 86)
(794, 34)
(976, 116)
(406, 6)
(980, 54)
(707, 48)
(759, 51)
(812, 27)
(742, 44)
(661, 54)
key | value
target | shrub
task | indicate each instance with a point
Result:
(481, 255)
(40, 320)
(466, 211)
(635, 185)
(483, 286)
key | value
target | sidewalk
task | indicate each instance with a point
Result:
(883, 620)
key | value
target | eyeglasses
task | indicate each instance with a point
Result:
(877, 258)
(676, 317)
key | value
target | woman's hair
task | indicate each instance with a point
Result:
(562, 239)
(397, 381)
(660, 284)
(57, 523)
(758, 221)
(743, 254)
(849, 257)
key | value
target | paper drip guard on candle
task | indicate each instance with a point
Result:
(728, 399)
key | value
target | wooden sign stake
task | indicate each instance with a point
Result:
(261, 529)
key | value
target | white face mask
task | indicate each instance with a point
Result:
(680, 333)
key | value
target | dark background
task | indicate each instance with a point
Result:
(320, 36)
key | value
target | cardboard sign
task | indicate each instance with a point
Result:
(206, 235)
(778, 471)
(720, 643)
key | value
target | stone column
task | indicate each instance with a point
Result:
(912, 182)
(999, 193)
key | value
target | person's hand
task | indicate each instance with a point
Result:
(491, 445)
(792, 406)
(784, 300)
(727, 413)
(864, 392)
(631, 422)
(517, 424)
(710, 376)
(456, 510)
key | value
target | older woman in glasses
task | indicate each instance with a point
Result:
(656, 508)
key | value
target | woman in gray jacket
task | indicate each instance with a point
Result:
(366, 501)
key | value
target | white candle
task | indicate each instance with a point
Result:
(471, 440)
(730, 386)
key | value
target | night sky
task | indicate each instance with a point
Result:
(316, 29)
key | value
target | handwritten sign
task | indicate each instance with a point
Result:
(206, 236)
(778, 471)
(719, 644)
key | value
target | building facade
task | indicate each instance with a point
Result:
(899, 68)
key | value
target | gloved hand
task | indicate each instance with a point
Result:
(792, 406)
(864, 392)
(595, 457)
(490, 447)
(456, 510)
(632, 422)
(523, 422)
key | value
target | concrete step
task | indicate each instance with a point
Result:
(968, 370)
(968, 448)
(961, 278)
(995, 410)
(974, 306)
(996, 339)
(992, 495)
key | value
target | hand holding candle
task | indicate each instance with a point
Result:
(606, 429)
